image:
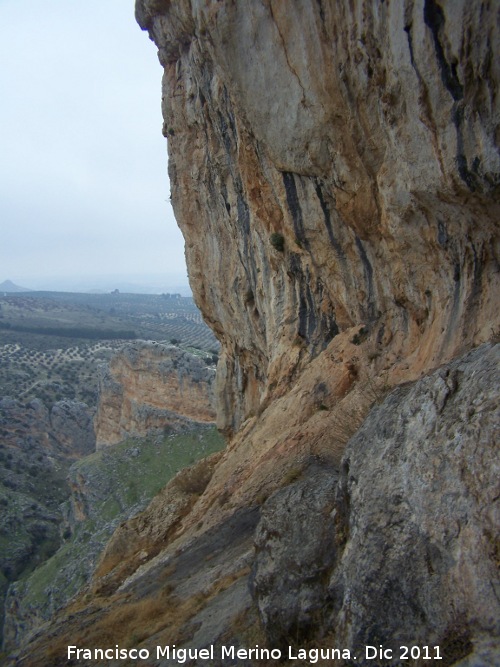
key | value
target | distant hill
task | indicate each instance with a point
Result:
(9, 286)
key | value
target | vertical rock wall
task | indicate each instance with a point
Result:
(402, 549)
(335, 171)
(333, 165)
(148, 387)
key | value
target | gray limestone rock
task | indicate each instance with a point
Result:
(295, 550)
(72, 423)
(422, 476)
(403, 550)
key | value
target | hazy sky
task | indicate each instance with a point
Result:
(83, 165)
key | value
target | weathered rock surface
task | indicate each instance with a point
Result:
(137, 540)
(335, 171)
(72, 424)
(66, 430)
(295, 545)
(399, 547)
(410, 541)
(149, 387)
(366, 137)
(37, 446)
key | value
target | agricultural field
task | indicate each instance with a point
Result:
(51, 343)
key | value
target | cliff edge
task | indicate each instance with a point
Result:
(149, 387)
(335, 171)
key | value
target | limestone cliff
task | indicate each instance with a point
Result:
(335, 171)
(340, 162)
(333, 165)
(147, 387)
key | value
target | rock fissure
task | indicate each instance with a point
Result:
(434, 19)
(283, 43)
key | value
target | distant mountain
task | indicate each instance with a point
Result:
(9, 286)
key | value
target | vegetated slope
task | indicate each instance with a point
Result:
(106, 316)
(335, 171)
(352, 557)
(107, 487)
(152, 390)
(37, 446)
(41, 437)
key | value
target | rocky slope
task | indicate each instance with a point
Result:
(146, 388)
(396, 546)
(402, 547)
(151, 387)
(335, 171)
(107, 488)
(37, 446)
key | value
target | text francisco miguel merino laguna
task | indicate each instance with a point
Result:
(312, 655)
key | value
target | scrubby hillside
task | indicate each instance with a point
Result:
(37, 446)
(107, 488)
(56, 517)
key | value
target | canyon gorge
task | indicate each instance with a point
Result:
(61, 500)
(335, 171)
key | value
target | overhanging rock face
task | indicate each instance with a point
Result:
(335, 172)
(333, 165)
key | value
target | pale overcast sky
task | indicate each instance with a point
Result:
(83, 165)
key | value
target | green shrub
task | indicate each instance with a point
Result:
(360, 337)
(277, 241)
